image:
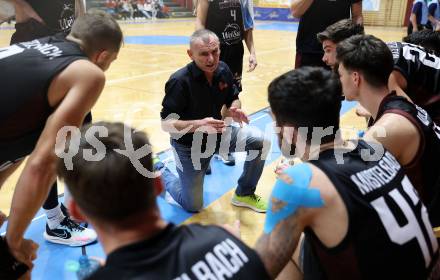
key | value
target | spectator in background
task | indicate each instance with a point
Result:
(126, 10)
(433, 15)
(315, 16)
(110, 6)
(419, 16)
(144, 9)
(163, 10)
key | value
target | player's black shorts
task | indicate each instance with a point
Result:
(232, 55)
(30, 30)
(10, 268)
(13, 151)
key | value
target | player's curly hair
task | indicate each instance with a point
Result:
(428, 39)
(307, 97)
(340, 31)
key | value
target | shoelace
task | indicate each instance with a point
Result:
(72, 225)
(256, 197)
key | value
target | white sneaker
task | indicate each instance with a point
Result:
(70, 233)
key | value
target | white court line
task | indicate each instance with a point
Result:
(115, 81)
(260, 117)
(33, 220)
(156, 52)
(275, 50)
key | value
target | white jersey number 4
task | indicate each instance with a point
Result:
(413, 229)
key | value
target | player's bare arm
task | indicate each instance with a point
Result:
(24, 11)
(249, 40)
(80, 8)
(398, 83)
(356, 13)
(394, 132)
(295, 203)
(299, 7)
(202, 13)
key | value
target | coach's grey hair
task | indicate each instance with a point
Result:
(202, 34)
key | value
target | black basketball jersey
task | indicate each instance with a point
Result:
(421, 70)
(26, 71)
(58, 15)
(186, 252)
(389, 235)
(424, 170)
(225, 19)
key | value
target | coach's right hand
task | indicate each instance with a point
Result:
(211, 125)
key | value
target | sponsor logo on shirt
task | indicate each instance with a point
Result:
(67, 17)
(232, 34)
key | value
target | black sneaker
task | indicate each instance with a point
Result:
(230, 160)
(64, 210)
(70, 233)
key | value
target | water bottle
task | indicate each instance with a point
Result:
(86, 267)
(70, 269)
(81, 269)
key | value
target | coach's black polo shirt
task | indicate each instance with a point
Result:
(185, 252)
(189, 95)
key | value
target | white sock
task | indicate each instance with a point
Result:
(54, 216)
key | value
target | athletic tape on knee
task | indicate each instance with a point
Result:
(289, 197)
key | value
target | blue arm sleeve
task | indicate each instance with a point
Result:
(289, 197)
(248, 14)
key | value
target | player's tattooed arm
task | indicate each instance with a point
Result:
(276, 248)
(24, 11)
(287, 216)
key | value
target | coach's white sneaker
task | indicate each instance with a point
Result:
(70, 233)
